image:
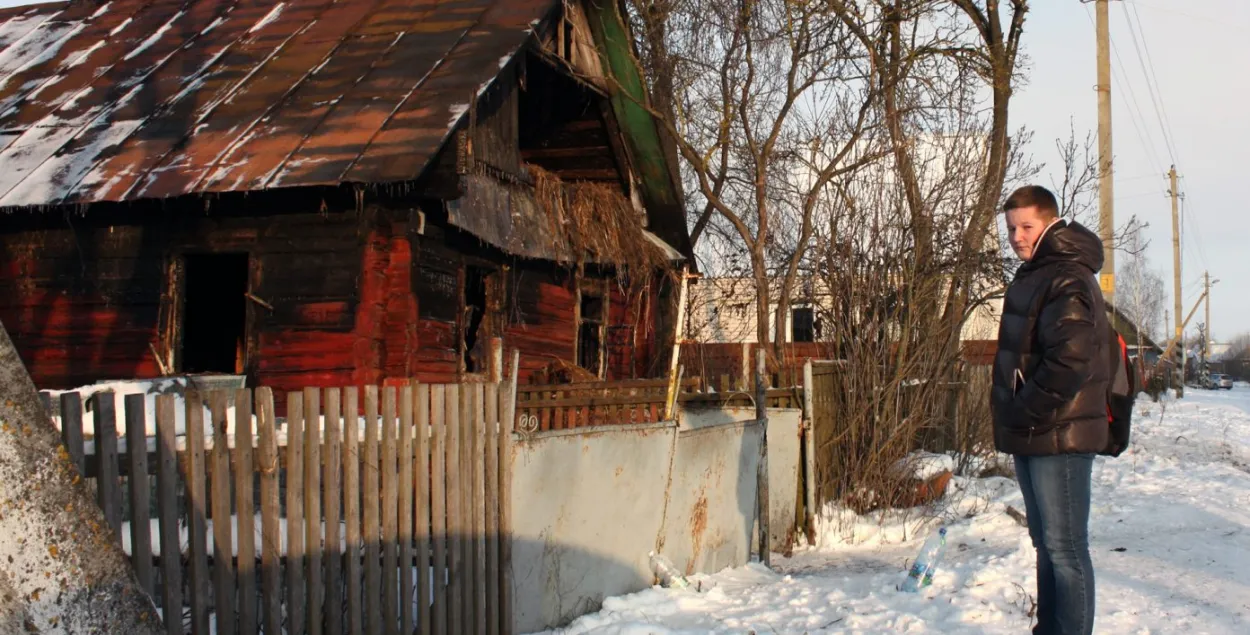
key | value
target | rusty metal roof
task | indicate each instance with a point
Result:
(140, 99)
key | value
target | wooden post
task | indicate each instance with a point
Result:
(71, 430)
(421, 494)
(761, 479)
(245, 506)
(744, 377)
(390, 526)
(351, 509)
(372, 526)
(505, 504)
(140, 514)
(679, 331)
(333, 459)
(312, 509)
(223, 534)
(809, 455)
(270, 523)
(197, 526)
(166, 508)
(496, 360)
(295, 533)
(108, 481)
(406, 622)
(438, 505)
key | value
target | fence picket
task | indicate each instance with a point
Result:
(455, 553)
(478, 498)
(295, 555)
(140, 509)
(405, 508)
(245, 511)
(426, 551)
(333, 459)
(466, 500)
(438, 507)
(421, 495)
(312, 508)
(166, 511)
(507, 404)
(193, 475)
(491, 496)
(223, 538)
(108, 481)
(467, 509)
(372, 534)
(351, 508)
(71, 429)
(270, 524)
(390, 550)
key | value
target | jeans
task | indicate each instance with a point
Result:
(1056, 500)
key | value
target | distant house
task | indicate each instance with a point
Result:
(722, 310)
(330, 193)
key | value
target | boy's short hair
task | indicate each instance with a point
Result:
(1033, 196)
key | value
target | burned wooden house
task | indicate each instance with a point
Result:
(318, 192)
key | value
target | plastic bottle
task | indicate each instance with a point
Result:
(922, 570)
(666, 573)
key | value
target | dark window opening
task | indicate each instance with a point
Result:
(590, 333)
(474, 313)
(215, 313)
(803, 325)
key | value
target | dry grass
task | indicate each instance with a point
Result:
(598, 222)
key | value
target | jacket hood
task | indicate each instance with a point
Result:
(1068, 242)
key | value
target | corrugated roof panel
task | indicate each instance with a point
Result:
(357, 117)
(423, 120)
(156, 98)
(201, 122)
(16, 22)
(268, 147)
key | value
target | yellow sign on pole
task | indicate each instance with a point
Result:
(1107, 282)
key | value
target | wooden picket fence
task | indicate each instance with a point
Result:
(580, 405)
(398, 524)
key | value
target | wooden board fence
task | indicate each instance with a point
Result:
(327, 522)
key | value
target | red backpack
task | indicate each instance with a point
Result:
(1121, 393)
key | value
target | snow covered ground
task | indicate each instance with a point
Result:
(1170, 534)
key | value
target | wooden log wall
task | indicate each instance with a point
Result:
(338, 298)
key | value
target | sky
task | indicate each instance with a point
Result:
(1191, 47)
(1199, 57)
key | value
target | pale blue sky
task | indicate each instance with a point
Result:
(1199, 58)
(1199, 54)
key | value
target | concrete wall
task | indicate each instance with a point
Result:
(586, 510)
(784, 427)
(589, 505)
(711, 509)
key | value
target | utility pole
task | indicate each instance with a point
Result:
(1207, 283)
(1106, 198)
(1206, 341)
(1176, 273)
(1163, 358)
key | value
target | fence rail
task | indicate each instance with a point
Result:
(387, 514)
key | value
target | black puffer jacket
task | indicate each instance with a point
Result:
(1051, 372)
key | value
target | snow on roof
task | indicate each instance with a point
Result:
(133, 100)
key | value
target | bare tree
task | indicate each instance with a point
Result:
(64, 570)
(748, 90)
(1142, 293)
(1076, 187)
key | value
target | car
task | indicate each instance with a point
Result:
(1216, 381)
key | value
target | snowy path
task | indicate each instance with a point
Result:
(1170, 537)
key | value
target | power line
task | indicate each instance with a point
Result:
(1152, 79)
(1135, 115)
(1193, 240)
